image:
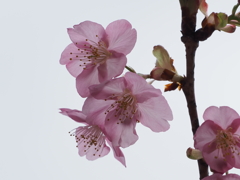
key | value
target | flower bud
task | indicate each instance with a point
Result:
(219, 20)
(194, 154)
(164, 69)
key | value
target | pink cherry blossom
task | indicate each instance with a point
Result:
(218, 176)
(96, 54)
(91, 139)
(126, 101)
(218, 138)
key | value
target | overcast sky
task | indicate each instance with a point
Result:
(35, 143)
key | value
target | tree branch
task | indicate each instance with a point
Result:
(189, 10)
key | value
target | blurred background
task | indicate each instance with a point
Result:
(35, 143)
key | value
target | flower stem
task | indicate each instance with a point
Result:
(130, 69)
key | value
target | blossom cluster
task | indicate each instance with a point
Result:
(116, 102)
(114, 105)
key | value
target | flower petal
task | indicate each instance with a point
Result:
(218, 176)
(88, 77)
(76, 115)
(231, 177)
(118, 154)
(138, 85)
(67, 57)
(214, 158)
(222, 116)
(121, 36)
(113, 67)
(163, 58)
(205, 133)
(235, 126)
(120, 134)
(154, 114)
(105, 90)
(91, 142)
(203, 7)
(86, 30)
(97, 111)
(93, 154)
(229, 28)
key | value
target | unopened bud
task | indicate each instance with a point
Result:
(194, 154)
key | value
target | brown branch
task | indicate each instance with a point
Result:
(189, 11)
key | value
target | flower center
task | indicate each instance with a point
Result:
(227, 142)
(92, 53)
(124, 107)
(89, 138)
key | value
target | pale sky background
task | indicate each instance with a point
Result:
(35, 143)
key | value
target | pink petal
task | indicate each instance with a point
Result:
(89, 30)
(92, 105)
(87, 78)
(138, 85)
(215, 176)
(217, 164)
(105, 90)
(103, 73)
(205, 133)
(235, 161)
(154, 114)
(65, 56)
(218, 176)
(223, 116)
(68, 57)
(77, 39)
(97, 112)
(235, 126)
(118, 154)
(203, 7)
(76, 115)
(74, 68)
(120, 134)
(229, 28)
(114, 65)
(90, 150)
(93, 154)
(231, 177)
(121, 36)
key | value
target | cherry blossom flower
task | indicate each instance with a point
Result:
(126, 101)
(218, 138)
(96, 54)
(218, 176)
(91, 139)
